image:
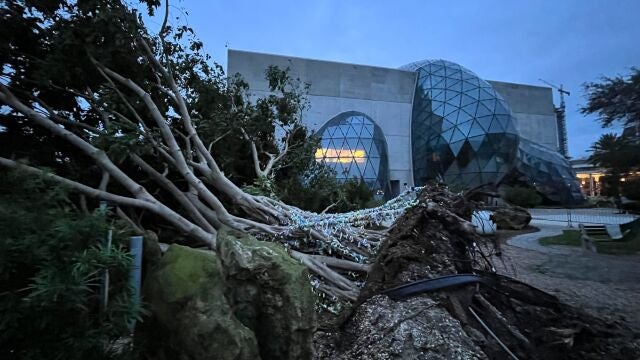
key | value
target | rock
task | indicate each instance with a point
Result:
(192, 318)
(250, 300)
(512, 218)
(271, 293)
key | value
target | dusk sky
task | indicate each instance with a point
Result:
(563, 42)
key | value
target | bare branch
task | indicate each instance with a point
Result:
(335, 262)
(165, 183)
(104, 181)
(131, 223)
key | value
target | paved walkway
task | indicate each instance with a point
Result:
(605, 285)
(530, 241)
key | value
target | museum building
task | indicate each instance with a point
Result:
(428, 120)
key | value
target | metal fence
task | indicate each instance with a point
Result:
(573, 217)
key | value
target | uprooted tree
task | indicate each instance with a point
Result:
(93, 101)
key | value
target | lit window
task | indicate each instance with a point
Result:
(354, 146)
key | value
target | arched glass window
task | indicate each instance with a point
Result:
(354, 146)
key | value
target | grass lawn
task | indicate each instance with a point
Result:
(568, 238)
(628, 246)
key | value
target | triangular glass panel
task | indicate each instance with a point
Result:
(425, 82)
(373, 150)
(446, 135)
(491, 165)
(454, 74)
(368, 130)
(437, 82)
(439, 95)
(468, 76)
(352, 144)
(361, 131)
(455, 85)
(466, 100)
(483, 110)
(490, 104)
(450, 94)
(453, 170)
(495, 127)
(464, 117)
(484, 94)
(476, 130)
(437, 70)
(455, 100)
(501, 107)
(451, 109)
(457, 136)
(485, 121)
(446, 125)
(471, 108)
(456, 146)
(465, 126)
(439, 110)
(369, 172)
(351, 132)
(468, 86)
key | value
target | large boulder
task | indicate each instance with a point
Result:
(511, 218)
(192, 318)
(271, 295)
(250, 300)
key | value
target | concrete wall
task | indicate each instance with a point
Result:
(383, 94)
(533, 110)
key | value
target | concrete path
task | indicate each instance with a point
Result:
(530, 241)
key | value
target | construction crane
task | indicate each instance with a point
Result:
(561, 120)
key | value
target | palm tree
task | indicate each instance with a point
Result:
(617, 154)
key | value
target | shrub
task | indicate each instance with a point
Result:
(319, 189)
(523, 196)
(50, 274)
(631, 188)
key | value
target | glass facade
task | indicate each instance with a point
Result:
(354, 146)
(461, 129)
(549, 172)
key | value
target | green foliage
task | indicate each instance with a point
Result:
(262, 185)
(318, 189)
(47, 54)
(618, 155)
(631, 188)
(615, 99)
(51, 263)
(523, 196)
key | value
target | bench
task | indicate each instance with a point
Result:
(592, 234)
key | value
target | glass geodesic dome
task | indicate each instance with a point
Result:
(354, 146)
(461, 129)
(549, 172)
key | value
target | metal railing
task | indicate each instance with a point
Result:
(573, 217)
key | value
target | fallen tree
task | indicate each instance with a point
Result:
(133, 127)
(142, 136)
